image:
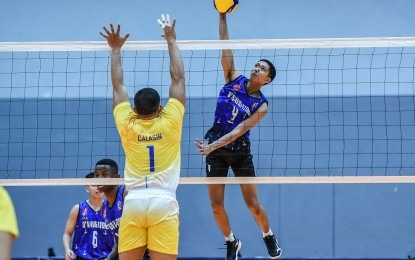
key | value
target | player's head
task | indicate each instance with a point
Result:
(264, 72)
(93, 189)
(106, 168)
(147, 102)
(271, 71)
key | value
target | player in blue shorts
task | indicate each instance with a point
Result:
(91, 237)
(240, 106)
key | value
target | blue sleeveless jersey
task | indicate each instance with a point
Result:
(112, 215)
(233, 106)
(92, 239)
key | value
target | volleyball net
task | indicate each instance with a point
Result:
(340, 110)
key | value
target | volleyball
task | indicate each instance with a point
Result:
(226, 6)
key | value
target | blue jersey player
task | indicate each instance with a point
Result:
(113, 204)
(86, 227)
(114, 199)
(240, 106)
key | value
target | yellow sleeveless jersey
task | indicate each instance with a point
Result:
(152, 147)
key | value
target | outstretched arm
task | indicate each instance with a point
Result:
(115, 41)
(238, 131)
(228, 65)
(177, 87)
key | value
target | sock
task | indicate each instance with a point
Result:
(269, 233)
(230, 238)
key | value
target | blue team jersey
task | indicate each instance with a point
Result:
(233, 106)
(91, 239)
(112, 215)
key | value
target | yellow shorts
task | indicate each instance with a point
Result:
(149, 219)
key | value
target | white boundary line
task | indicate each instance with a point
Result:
(219, 180)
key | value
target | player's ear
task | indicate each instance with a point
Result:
(135, 110)
(268, 80)
(160, 109)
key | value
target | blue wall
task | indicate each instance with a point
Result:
(353, 221)
(322, 221)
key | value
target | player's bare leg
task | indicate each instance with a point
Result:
(217, 197)
(161, 256)
(250, 195)
(133, 254)
(217, 194)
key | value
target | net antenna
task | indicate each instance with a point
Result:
(340, 110)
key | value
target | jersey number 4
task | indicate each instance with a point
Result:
(234, 114)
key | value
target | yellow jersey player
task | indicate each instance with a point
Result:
(150, 136)
(9, 230)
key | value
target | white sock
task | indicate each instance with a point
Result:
(269, 233)
(230, 238)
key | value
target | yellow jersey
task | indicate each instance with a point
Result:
(8, 222)
(152, 147)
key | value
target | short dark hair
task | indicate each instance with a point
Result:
(90, 175)
(146, 101)
(113, 165)
(272, 71)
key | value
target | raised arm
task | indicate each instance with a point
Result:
(177, 87)
(228, 65)
(238, 131)
(115, 41)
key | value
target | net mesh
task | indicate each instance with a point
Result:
(337, 107)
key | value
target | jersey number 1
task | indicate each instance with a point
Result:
(151, 157)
